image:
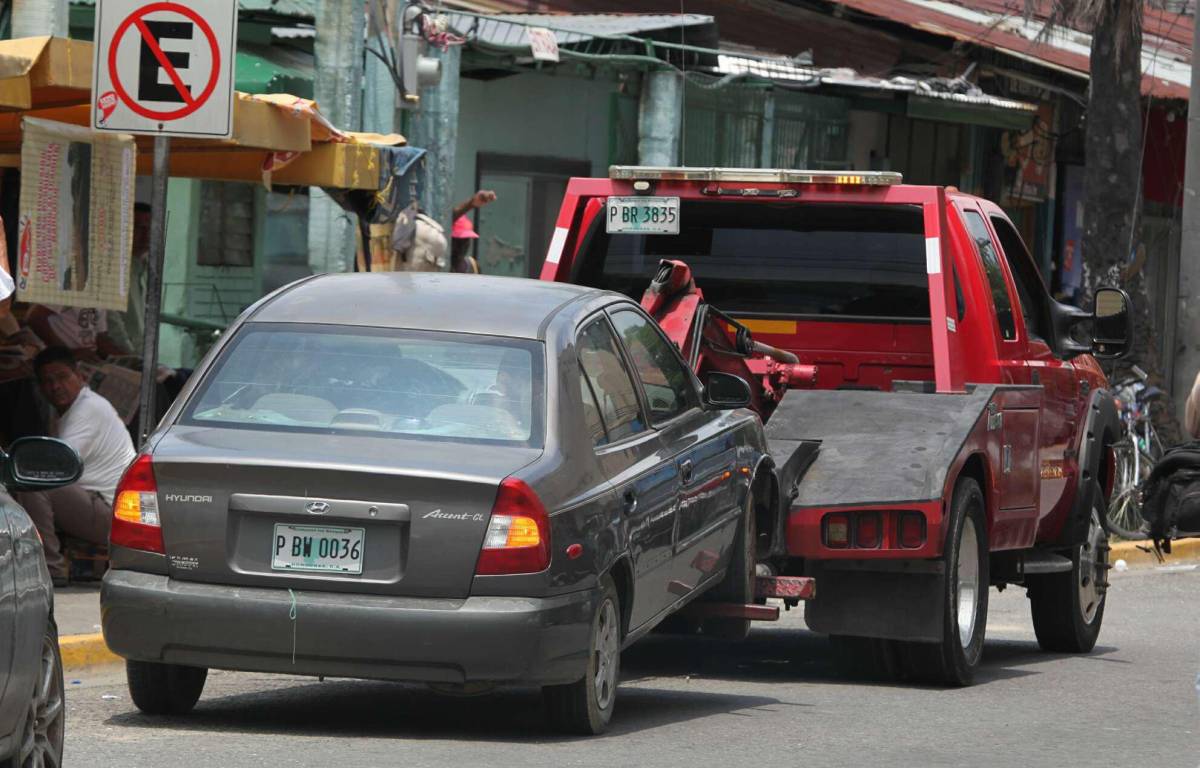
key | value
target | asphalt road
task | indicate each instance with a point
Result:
(773, 700)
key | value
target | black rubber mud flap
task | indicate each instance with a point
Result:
(896, 600)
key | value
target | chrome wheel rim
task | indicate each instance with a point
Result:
(42, 741)
(967, 582)
(605, 654)
(1093, 561)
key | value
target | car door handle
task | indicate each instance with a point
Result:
(631, 501)
(685, 471)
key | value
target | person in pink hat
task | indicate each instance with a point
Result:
(463, 234)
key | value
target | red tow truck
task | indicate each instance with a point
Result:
(938, 423)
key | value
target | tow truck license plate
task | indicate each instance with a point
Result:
(643, 215)
(319, 548)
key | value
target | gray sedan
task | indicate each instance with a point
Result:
(32, 710)
(459, 480)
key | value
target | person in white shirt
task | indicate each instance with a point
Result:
(89, 424)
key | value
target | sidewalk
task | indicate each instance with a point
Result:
(77, 608)
(77, 611)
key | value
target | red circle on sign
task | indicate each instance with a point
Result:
(187, 109)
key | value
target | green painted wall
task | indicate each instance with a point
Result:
(551, 114)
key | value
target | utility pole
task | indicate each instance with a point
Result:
(1187, 328)
(337, 87)
(660, 118)
(379, 95)
(435, 128)
(33, 18)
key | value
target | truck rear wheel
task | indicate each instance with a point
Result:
(953, 661)
(1068, 607)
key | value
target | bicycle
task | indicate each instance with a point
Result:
(1135, 454)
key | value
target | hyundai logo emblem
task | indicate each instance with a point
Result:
(316, 507)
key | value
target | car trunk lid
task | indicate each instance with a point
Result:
(417, 509)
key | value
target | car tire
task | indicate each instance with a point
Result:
(1068, 607)
(164, 689)
(43, 727)
(586, 705)
(953, 661)
(738, 585)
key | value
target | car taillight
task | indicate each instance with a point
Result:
(135, 521)
(868, 534)
(518, 533)
(912, 530)
(837, 531)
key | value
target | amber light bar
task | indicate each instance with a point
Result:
(760, 175)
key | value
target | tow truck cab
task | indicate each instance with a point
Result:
(938, 354)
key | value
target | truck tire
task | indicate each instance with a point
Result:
(953, 661)
(738, 584)
(585, 706)
(1068, 607)
(164, 689)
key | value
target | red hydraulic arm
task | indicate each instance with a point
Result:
(712, 341)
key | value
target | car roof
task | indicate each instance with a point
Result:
(435, 301)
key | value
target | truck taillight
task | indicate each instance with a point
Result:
(135, 522)
(518, 534)
(836, 531)
(912, 530)
(868, 533)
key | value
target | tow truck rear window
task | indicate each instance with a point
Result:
(779, 258)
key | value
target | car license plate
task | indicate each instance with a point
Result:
(318, 548)
(643, 215)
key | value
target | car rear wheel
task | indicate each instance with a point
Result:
(586, 706)
(41, 742)
(738, 585)
(1068, 607)
(164, 689)
(953, 661)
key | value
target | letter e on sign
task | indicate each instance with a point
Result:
(165, 67)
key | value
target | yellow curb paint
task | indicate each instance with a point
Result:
(1132, 552)
(79, 651)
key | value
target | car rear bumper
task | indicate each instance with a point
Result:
(150, 617)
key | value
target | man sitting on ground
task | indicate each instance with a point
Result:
(90, 425)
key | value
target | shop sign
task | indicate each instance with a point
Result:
(75, 228)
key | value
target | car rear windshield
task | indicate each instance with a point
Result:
(442, 386)
(779, 258)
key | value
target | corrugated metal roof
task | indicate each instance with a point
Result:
(959, 91)
(508, 29)
(1001, 25)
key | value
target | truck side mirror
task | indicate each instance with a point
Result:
(726, 391)
(39, 463)
(1112, 323)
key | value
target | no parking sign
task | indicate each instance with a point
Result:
(164, 68)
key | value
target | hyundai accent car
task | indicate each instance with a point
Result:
(32, 707)
(453, 479)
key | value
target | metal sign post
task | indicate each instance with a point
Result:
(154, 273)
(162, 68)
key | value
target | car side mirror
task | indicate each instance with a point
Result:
(726, 391)
(1112, 324)
(39, 463)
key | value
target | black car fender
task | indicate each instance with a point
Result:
(764, 472)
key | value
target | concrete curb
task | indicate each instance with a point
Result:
(83, 651)
(1142, 552)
